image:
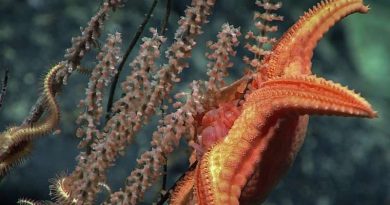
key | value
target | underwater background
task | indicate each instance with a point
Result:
(343, 160)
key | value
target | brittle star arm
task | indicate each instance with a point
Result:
(16, 142)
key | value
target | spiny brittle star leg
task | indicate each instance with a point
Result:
(16, 142)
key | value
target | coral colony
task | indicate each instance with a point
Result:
(244, 136)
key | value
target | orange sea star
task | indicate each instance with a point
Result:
(270, 130)
(265, 138)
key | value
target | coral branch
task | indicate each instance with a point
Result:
(220, 58)
(131, 46)
(262, 42)
(101, 77)
(171, 129)
(83, 43)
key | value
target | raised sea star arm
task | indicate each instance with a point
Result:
(225, 170)
(293, 53)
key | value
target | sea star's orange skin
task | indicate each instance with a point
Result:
(185, 187)
(270, 130)
(267, 135)
(293, 53)
(216, 124)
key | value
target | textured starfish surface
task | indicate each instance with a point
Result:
(266, 136)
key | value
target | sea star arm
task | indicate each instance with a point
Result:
(293, 53)
(225, 169)
(183, 192)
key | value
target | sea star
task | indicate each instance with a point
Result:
(266, 136)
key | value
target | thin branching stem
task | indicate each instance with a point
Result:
(131, 46)
(164, 25)
(4, 84)
(167, 195)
